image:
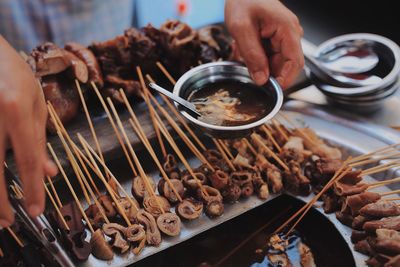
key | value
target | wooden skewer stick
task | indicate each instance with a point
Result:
(15, 237)
(179, 117)
(181, 134)
(171, 141)
(133, 154)
(270, 136)
(16, 192)
(166, 73)
(391, 198)
(269, 151)
(89, 120)
(64, 175)
(121, 142)
(380, 168)
(1, 253)
(146, 99)
(223, 154)
(226, 149)
(58, 124)
(89, 152)
(283, 226)
(57, 198)
(154, 156)
(375, 152)
(280, 130)
(251, 148)
(390, 193)
(99, 174)
(367, 161)
(381, 183)
(56, 207)
(81, 176)
(300, 130)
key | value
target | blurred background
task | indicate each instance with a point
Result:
(321, 19)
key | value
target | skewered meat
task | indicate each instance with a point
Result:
(117, 233)
(231, 193)
(306, 256)
(63, 96)
(189, 209)
(274, 176)
(295, 181)
(219, 179)
(331, 202)
(242, 162)
(358, 235)
(90, 61)
(78, 68)
(171, 167)
(244, 180)
(72, 217)
(359, 221)
(352, 177)
(129, 209)
(392, 223)
(364, 247)
(153, 236)
(356, 202)
(190, 183)
(138, 187)
(95, 217)
(381, 208)
(100, 248)
(214, 208)
(136, 235)
(295, 143)
(213, 194)
(345, 218)
(291, 154)
(169, 223)
(260, 186)
(325, 151)
(214, 44)
(107, 203)
(115, 82)
(393, 262)
(342, 189)
(241, 147)
(387, 247)
(166, 191)
(383, 234)
(48, 59)
(213, 156)
(154, 204)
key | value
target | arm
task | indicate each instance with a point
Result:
(23, 116)
(250, 21)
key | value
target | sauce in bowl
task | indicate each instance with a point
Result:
(231, 103)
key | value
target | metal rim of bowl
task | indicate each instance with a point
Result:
(388, 79)
(274, 84)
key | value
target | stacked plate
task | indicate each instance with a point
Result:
(366, 98)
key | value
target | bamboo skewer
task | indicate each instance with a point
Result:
(250, 147)
(56, 207)
(64, 175)
(141, 134)
(391, 198)
(115, 129)
(79, 175)
(300, 130)
(179, 117)
(89, 120)
(57, 122)
(15, 237)
(380, 168)
(374, 152)
(381, 183)
(133, 154)
(146, 98)
(278, 127)
(17, 193)
(270, 136)
(89, 151)
(57, 198)
(367, 161)
(269, 151)
(165, 72)
(183, 136)
(390, 193)
(223, 154)
(225, 147)
(170, 140)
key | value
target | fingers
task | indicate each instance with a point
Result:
(6, 213)
(247, 38)
(27, 153)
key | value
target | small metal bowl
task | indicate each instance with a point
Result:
(222, 71)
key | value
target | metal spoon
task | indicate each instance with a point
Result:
(350, 59)
(337, 79)
(175, 98)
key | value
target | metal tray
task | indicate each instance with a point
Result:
(354, 137)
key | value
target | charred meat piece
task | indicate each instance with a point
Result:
(343, 189)
(214, 44)
(393, 262)
(136, 235)
(78, 69)
(155, 205)
(392, 223)
(295, 181)
(356, 202)
(169, 223)
(358, 236)
(331, 202)
(63, 96)
(381, 208)
(260, 186)
(344, 218)
(242, 162)
(190, 182)
(171, 167)
(244, 179)
(94, 215)
(153, 236)
(87, 56)
(359, 221)
(189, 209)
(214, 208)
(114, 82)
(213, 156)
(213, 194)
(117, 233)
(231, 193)
(107, 204)
(363, 246)
(72, 217)
(165, 189)
(273, 174)
(138, 187)
(100, 248)
(219, 179)
(130, 207)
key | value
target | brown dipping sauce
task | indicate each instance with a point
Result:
(231, 103)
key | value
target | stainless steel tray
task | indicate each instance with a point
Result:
(353, 136)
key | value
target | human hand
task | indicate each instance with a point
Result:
(23, 117)
(250, 22)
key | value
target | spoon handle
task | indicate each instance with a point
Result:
(175, 98)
